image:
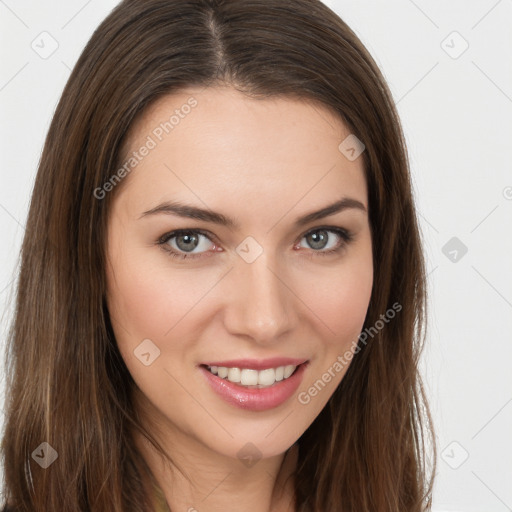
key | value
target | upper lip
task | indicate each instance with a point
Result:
(258, 364)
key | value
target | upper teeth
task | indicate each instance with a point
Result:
(248, 377)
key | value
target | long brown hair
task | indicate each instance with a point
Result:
(67, 384)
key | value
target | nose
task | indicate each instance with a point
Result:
(260, 304)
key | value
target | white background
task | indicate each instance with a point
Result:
(456, 109)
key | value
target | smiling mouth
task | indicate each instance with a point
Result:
(251, 378)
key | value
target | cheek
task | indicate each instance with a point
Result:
(340, 300)
(146, 301)
(145, 304)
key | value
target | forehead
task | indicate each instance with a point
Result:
(234, 121)
(206, 141)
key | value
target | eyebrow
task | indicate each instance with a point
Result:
(193, 212)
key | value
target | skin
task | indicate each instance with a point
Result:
(264, 163)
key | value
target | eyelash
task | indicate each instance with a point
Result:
(346, 238)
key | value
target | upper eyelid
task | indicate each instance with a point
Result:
(174, 233)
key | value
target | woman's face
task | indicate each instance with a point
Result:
(257, 280)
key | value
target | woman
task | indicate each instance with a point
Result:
(273, 369)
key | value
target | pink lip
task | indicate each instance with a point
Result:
(257, 364)
(255, 399)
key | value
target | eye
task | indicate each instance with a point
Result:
(181, 243)
(318, 239)
(184, 242)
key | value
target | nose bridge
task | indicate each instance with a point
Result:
(260, 307)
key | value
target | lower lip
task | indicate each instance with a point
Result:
(255, 399)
